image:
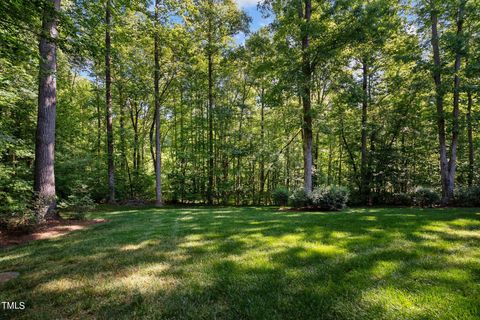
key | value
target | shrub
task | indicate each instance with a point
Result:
(280, 196)
(77, 206)
(299, 198)
(78, 203)
(425, 197)
(17, 221)
(331, 198)
(399, 199)
(468, 197)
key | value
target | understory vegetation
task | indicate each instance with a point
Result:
(225, 102)
(253, 263)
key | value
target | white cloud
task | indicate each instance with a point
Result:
(246, 3)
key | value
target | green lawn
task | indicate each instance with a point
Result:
(254, 263)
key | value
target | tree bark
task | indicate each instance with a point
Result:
(262, 142)
(447, 167)
(123, 153)
(108, 100)
(330, 159)
(471, 162)
(238, 187)
(306, 100)
(364, 186)
(210, 114)
(437, 77)
(44, 181)
(99, 118)
(158, 148)
(452, 164)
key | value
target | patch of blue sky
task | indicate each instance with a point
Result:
(258, 20)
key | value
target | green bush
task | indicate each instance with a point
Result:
(76, 206)
(331, 198)
(280, 196)
(425, 197)
(399, 199)
(468, 197)
(78, 203)
(17, 221)
(299, 198)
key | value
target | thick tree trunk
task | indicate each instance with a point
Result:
(364, 186)
(108, 100)
(470, 140)
(158, 150)
(44, 182)
(306, 101)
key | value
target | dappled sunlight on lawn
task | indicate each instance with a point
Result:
(255, 263)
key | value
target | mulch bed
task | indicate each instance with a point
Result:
(48, 230)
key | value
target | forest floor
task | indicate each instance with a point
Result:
(253, 263)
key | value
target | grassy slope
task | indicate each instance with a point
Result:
(255, 263)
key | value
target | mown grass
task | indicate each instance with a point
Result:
(254, 263)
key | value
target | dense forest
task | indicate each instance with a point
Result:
(125, 101)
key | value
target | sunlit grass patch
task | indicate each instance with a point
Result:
(254, 263)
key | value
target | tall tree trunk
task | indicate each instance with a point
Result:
(122, 134)
(364, 186)
(437, 77)
(44, 184)
(306, 101)
(238, 187)
(210, 117)
(262, 142)
(134, 113)
(108, 100)
(340, 160)
(470, 140)
(316, 161)
(452, 164)
(158, 150)
(99, 118)
(330, 159)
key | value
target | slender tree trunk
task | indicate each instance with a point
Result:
(122, 134)
(44, 182)
(108, 100)
(437, 77)
(262, 142)
(470, 140)
(158, 147)
(306, 101)
(99, 118)
(136, 150)
(239, 163)
(452, 164)
(330, 159)
(210, 120)
(364, 154)
(340, 160)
